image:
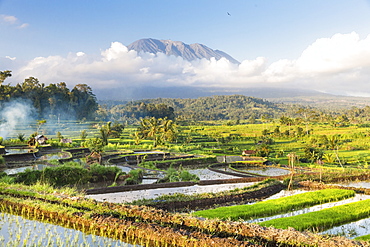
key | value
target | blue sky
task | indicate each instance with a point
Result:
(278, 32)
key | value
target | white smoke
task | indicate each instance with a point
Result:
(12, 115)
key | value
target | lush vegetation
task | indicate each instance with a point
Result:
(232, 108)
(275, 206)
(143, 225)
(314, 144)
(325, 218)
(70, 173)
(53, 101)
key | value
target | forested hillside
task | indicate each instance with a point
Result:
(231, 107)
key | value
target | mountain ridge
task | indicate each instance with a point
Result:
(179, 49)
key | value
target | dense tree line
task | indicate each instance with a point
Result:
(52, 101)
(134, 111)
(231, 107)
(205, 108)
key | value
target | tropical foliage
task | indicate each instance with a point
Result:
(52, 101)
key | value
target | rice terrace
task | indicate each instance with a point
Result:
(213, 171)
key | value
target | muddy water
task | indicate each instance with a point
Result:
(130, 196)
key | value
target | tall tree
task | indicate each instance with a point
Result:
(83, 101)
(3, 75)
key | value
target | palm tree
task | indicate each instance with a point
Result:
(169, 130)
(159, 130)
(105, 131)
(149, 128)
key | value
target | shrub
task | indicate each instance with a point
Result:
(99, 172)
(6, 179)
(187, 176)
(28, 177)
(65, 175)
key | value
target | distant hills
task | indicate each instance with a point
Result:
(273, 95)
(179, 49)
(131, 91)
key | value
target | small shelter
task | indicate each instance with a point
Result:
(41, 139)
(248, 152)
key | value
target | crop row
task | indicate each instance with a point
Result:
(325, 218)
(275, 206)
(148, 226)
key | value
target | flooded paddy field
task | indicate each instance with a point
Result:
(12, 171)
(358, 197)
(356, 184)
(18, 231)
(266, 171)
(130, 196)
(18, 150)
(349, 230)
(206, 174)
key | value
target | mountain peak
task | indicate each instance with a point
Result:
(178, 49)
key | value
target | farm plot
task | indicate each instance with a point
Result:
(324, 219)
(276, 206)
(18, 231)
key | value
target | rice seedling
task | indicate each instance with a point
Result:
(17, 231)
(324, 219)
(275, 206)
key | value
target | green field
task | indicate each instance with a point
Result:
(276, 206)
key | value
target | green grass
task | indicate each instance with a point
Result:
(323, 219)
(364, 238)
(276, 206)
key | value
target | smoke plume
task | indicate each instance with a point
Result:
(12, 115)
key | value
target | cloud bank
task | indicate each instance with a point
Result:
(339, 64)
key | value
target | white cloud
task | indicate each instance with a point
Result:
(340, 53)
(24, 25)
(11, 58)
(8, 19)
(12, 20)
(340, 64)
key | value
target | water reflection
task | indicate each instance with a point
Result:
(17, 231)
(130, 196)
(206, 174)
(18, 150)
(55, 156)
(351, 230)
(12, 171)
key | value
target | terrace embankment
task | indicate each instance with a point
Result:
(220, 200)
(170, 185)
(319, 186)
